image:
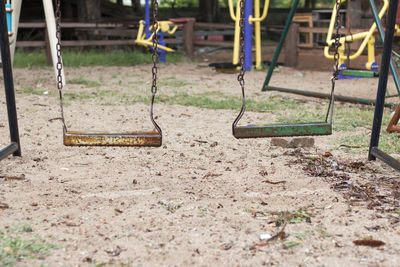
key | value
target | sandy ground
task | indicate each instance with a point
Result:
(203, 198)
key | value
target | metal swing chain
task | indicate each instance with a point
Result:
(154, 68)
(336, 60)
(59, 61)
(240, 77)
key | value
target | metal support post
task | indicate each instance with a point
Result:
(382, 35)
(280, 44)
(374, 151)
(9, 85)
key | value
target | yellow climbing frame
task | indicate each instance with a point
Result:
(163, 26)
(367, 36)
(257, 19)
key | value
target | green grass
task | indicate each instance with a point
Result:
(95, 57)
(172, 81)
(87, 83)
(31, 91)
(216, 100)
(388, 142)
(14, 247)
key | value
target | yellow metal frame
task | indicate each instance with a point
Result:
(163, 26)
(368, 39)
(257, 19)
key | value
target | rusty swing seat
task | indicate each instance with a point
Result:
(78, 138)
(97, 138)
(101, 138)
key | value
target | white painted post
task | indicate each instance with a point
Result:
(51, 30)
(16, 6)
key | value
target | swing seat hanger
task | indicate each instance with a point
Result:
(79, 138)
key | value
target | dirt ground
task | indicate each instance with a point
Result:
(204, 198)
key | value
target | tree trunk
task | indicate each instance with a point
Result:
(89, 11)
(209, 10)
(137, 8)
(310, 4)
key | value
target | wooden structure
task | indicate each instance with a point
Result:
(393, 127)
(308, 19)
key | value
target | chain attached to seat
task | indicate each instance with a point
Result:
(294, 129)
(79, 138)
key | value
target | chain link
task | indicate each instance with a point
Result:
(240, 77)
(59, 61)
(336, 56)
(155, 47)
(154, 68)
(337, 42)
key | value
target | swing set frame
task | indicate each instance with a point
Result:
(14, 147)
(267, 87)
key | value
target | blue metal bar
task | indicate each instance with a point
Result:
(248, 34)
(147, 18)
(9, 17)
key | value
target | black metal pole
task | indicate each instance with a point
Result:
(383, 77)
(8, 79)
(382, 35)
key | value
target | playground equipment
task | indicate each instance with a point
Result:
(374, 151)
(9, 11)
(80, 138)
(357, 100)
(345, 57)
(250, 19)
(14, 147)
(13, 9)
(146, 32)
(295, 129)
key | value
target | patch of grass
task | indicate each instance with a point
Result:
(170, 205)
(14, 248)
(322, 231)
(347, 118)
(95, 57)
(22, 228)
(172, 81)
(27, 59)
(203, 210)
(290, 244)
(301, 235)
(217, 100)
(388, 142)
(31, 91)
(298, 216)
(87, 83)
(73, 96)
